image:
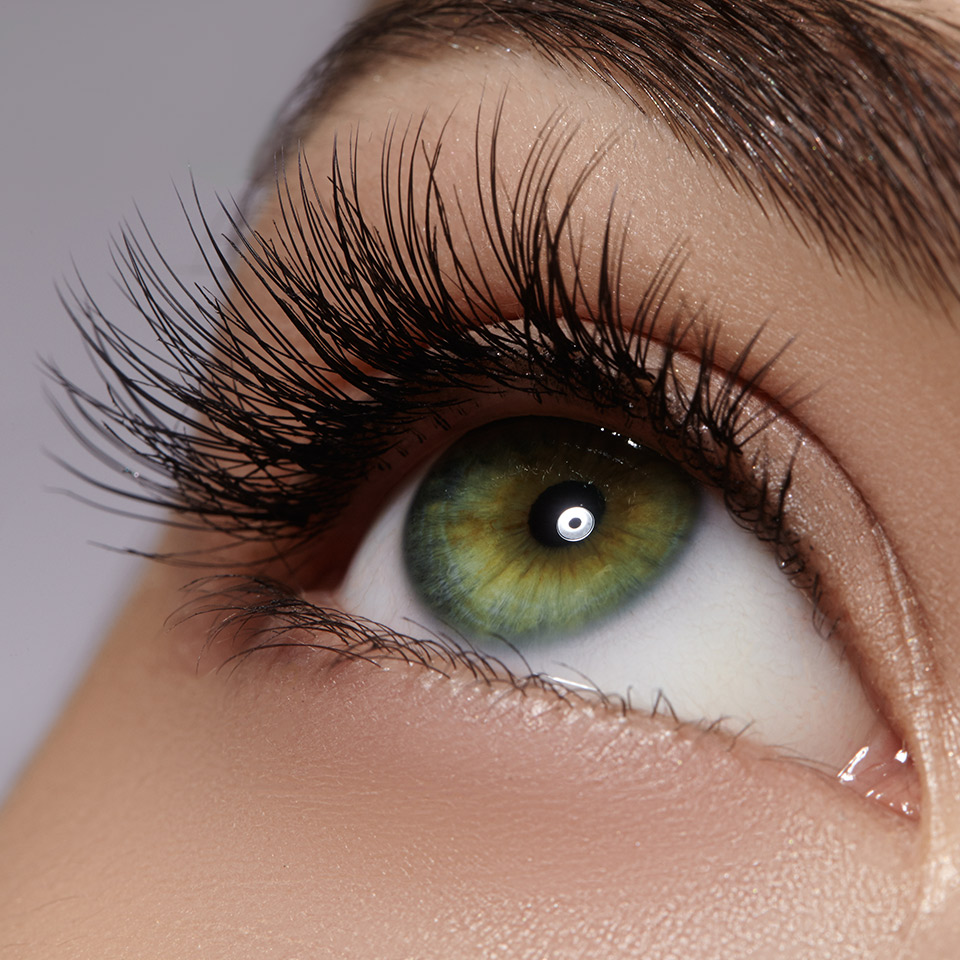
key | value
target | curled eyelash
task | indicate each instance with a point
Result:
(257, 405)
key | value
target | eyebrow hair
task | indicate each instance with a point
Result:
(841, 115)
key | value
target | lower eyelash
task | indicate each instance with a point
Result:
(243, 617)
(257, 616)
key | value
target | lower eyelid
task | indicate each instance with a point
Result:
(419, 786)
(609, 792)
(267, 622)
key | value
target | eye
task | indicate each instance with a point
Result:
(565, 550)
(285, 444)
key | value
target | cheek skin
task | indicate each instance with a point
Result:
(363, 813)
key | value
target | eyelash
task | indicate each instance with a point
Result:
(237, 428)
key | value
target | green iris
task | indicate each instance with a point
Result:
(537, 527)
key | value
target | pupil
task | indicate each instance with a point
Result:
(546, 521)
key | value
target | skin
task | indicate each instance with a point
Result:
(295, 808)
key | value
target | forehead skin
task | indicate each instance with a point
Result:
(243, 816)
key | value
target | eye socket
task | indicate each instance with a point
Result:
(667, 597)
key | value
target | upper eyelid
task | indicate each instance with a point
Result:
(271, 475)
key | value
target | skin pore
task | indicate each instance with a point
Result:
(298, 806)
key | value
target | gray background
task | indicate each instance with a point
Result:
(103, 104)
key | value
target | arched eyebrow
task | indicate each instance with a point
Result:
(841, 115)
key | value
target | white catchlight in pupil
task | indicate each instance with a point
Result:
(575, 523)
(566, 513)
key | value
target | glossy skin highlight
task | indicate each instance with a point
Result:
(305, 806)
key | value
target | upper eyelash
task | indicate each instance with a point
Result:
(229, 423)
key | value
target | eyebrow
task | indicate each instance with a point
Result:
(843, 117)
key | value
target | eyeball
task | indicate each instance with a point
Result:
(569, 551)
